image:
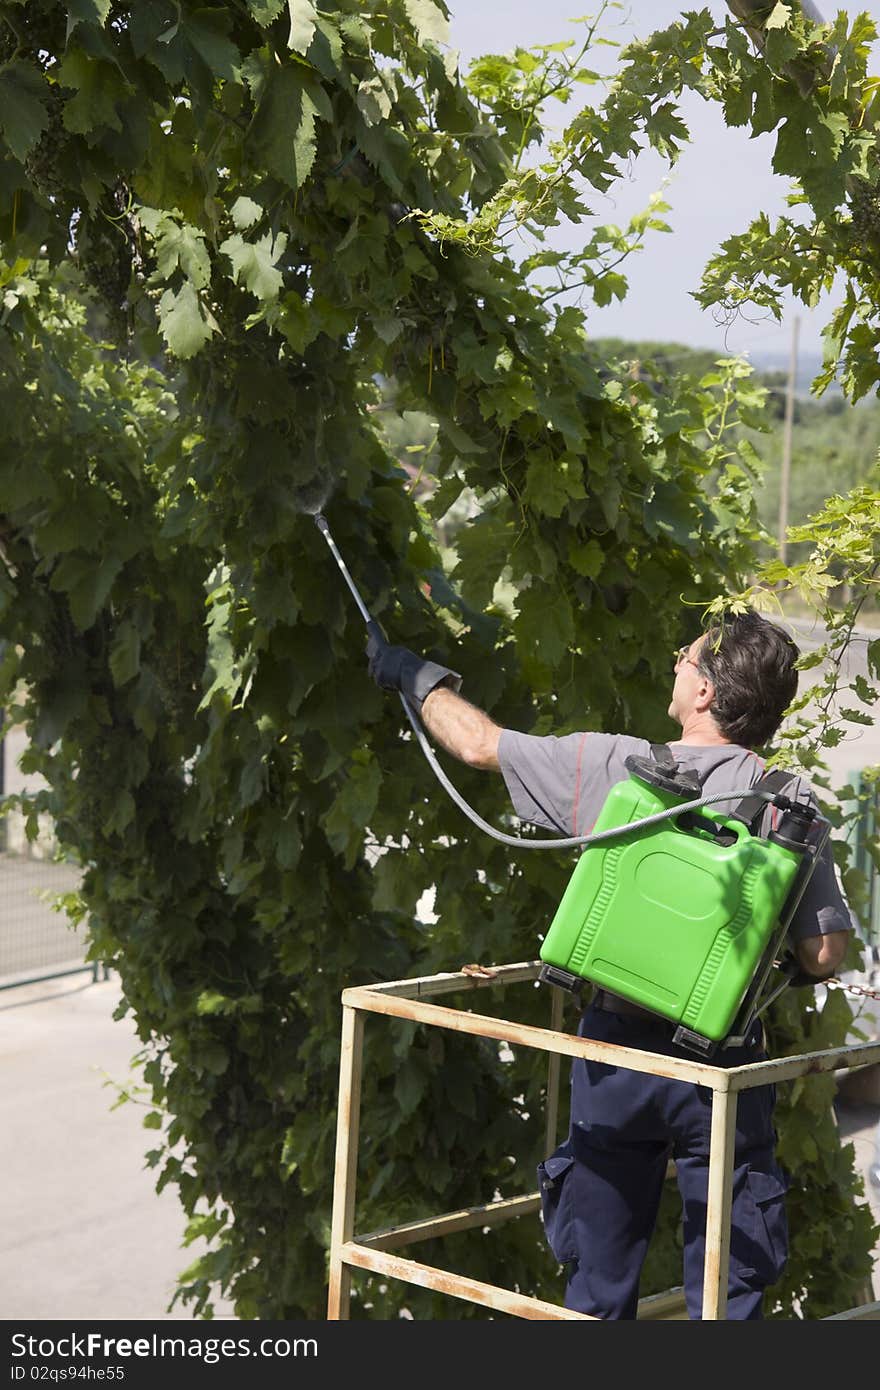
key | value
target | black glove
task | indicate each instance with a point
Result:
(397, 668)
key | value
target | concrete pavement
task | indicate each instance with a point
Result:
(84, 1234)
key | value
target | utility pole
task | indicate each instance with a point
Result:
(635, 374)
(786, 437)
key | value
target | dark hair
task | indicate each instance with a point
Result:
(751, 663)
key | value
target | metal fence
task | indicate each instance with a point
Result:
(37, 941)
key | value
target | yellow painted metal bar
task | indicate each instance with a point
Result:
(805, 1064)
(345, 1172)
(407, 999)
(721, 1153)
(430, 1227)
(475, 977)
(456, 1285)
(525, 1035)
(551, 1115)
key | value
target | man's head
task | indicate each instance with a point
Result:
(741, 674)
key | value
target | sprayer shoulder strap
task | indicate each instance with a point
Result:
(751, 807)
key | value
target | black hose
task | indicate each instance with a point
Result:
(518, 841)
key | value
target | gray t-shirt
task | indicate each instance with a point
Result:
(561, 784)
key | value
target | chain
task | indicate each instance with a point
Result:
(851, 989)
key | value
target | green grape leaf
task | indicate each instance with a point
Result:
(587, 558)
(483, 551)
(283, 131)
(125, 654)
(87, 583)
(428, 20)
(245, 212)
(348, 817)
(265, 11)
(302, 25)
(87, 12)
(205, 31)
(778, 17)
(552, 483)
(23, 112)
(179, 246)
(100, 87)
(185, 322)
(254, 263)
(544, 627)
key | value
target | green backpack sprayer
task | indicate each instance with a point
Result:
(677, 909)
(686, 915)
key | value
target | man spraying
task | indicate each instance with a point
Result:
(601, 1189)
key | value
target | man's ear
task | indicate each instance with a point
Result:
(705, 694)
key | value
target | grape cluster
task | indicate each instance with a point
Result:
(106, 251)
(49, 165)
(865, 218)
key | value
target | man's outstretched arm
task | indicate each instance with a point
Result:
(457, 725)
(461, 728)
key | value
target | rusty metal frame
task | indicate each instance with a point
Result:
(408, 999)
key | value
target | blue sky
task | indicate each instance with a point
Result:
(722, 180)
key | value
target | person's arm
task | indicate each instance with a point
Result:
(822, 956)
(461, 728)
(552, 782)
(457, 725)
(823, 923)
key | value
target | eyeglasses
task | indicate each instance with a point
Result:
(682, 655)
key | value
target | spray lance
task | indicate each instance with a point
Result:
(625, 930)
(518, 841)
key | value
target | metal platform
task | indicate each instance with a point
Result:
(410, 999)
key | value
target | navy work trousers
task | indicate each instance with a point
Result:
(601, 1188)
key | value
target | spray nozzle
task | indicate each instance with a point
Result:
(321, 523)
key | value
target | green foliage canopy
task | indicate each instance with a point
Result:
(209, 268)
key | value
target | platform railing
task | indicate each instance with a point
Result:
(411, 999)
